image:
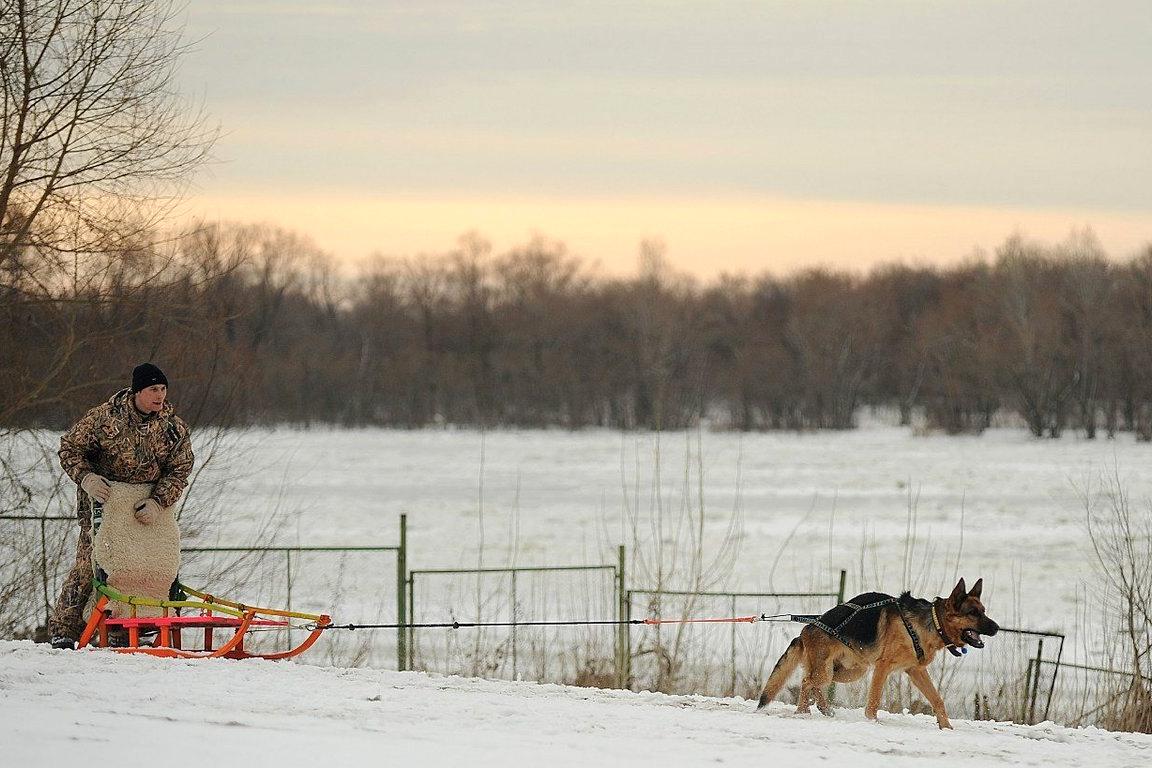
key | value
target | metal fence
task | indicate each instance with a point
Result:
(719, 659)
(516, 594)
(255, 574)
(314, 602)
(1032, 673)
(604, 655)
(32, 561)
(1013, 679)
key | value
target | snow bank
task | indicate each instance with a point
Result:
(68, 708)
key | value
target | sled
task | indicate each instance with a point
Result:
(206, 613)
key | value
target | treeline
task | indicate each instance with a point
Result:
(257, 326)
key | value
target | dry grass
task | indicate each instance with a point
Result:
(1121, 535)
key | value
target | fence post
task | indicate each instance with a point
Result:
(412, 613)
(401, 598)
(288, 599)
(288, 579)
(623, 630)
(1027, 691)
(1055, 672)
(44, 569)
(839, 601)
(514, 675)
(732, 648)
(1036, 682)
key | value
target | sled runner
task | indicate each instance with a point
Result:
(206, 613)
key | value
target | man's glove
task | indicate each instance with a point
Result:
(147, 510)
(96, 486)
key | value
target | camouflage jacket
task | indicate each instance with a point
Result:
(118, 442)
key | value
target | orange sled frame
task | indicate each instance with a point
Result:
(210, 614)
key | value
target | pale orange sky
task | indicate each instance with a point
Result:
(748, 134)
(703, 237)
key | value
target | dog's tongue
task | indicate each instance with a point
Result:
(972, 638)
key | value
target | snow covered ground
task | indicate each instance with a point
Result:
(75, 708)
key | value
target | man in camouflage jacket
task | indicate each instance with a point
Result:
(135, 437)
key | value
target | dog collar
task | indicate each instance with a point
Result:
(951, 646)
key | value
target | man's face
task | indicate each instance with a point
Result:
(151, 399)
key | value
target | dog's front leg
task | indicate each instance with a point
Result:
(879, 675)
(922, 681)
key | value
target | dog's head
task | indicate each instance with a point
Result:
(962, 616)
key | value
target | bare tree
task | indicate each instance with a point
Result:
(1092, 327)
(1134, 304)
(960, 391)
(93, 139)
(1120, 532)
(538, 292)
(897, 298)
(835, 341)
(1034, 358)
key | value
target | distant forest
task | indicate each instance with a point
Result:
(256, 326)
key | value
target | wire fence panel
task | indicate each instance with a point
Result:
(1092, 695)
(718, 659)
(36, 552)
(582, 655)
(331, 580)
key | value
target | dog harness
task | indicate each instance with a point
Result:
(836, 633)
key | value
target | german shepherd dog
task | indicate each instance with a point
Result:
(885, 633)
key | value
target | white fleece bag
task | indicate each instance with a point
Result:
(139, 559)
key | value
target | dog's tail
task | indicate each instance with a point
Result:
(782, 671)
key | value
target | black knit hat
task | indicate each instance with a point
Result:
(145, 375)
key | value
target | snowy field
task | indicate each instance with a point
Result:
(779, 512)
(78, 707)
(894, 510)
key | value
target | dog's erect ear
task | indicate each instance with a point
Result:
(959, 593)
(976, 589)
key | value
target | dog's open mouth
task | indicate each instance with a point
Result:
(972, 637)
